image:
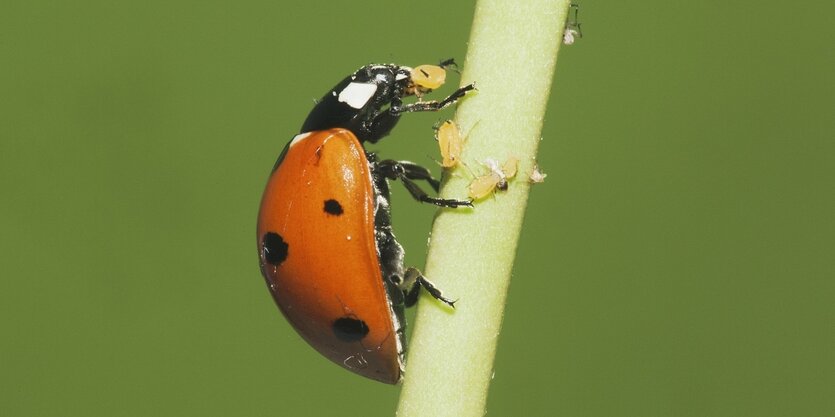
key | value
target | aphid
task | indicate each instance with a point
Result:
(572, 27)
(496, 179)
(450, 142)
(427, 77)
(537, 176)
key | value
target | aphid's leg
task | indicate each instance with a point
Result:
(412, 283)
(397, 171)
(431, 105)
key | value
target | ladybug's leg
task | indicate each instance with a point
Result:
(414, 171)
(431, 105)
(412, 283)
(383, 122)
(405, 173)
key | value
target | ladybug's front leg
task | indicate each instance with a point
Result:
(408, 171)
(383, 122)
(412, 283)
(433, 105)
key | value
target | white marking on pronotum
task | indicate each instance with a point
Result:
(357, 94)
(298, 138)
(400, 76)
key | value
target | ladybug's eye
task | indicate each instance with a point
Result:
(428, 77)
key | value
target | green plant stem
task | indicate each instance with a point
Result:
(512, 53)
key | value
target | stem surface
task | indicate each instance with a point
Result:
(512, 53)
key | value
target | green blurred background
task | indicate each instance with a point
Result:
(678, 261)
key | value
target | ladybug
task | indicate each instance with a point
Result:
(325, 240)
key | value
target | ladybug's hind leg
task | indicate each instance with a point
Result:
(412, 283)
(408, 171)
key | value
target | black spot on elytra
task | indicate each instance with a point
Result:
(275, 248)
(333, 207)
(349, 329)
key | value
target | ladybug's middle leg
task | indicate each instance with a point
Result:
(406, 172)
(414, 171)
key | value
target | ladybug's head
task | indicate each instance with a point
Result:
(376, 85)
(368, 102)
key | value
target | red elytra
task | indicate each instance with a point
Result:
(320, 204)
